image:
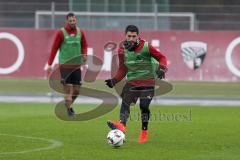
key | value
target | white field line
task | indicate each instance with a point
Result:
(53, 144)
(88, 100)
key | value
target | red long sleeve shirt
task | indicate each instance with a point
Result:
(59, 38)
(122, 71)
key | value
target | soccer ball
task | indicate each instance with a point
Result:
(116, 138)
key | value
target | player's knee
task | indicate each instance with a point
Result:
(67, 89)
(76, 91)
(144, 109)
(125, 106)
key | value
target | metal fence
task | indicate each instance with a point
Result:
(217, 15)
(119, 20)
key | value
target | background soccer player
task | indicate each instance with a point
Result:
(71, 42)
(137, 60)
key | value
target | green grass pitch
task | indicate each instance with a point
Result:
(180, 88)
(201, 133)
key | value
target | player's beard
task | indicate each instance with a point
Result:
(72, 26)
(130, 45)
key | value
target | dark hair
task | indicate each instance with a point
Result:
(131, 28)
(70, 15)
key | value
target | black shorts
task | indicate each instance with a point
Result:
(130, 93)
(70, 76)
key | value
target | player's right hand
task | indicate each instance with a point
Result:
(84, 59)
(110, 83)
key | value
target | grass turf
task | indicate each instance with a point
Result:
(180, 88)
(204, 133)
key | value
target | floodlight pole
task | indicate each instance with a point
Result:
(70, 5)
(53, 15)
(155, 16)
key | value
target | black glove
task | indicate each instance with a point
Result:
(161, 72)
(110, 82)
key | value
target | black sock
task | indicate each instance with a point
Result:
(124, 113)
(71, 109)
(145, 119)
(145, 112)
(144, 125)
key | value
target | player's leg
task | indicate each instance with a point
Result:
(68, 98)
(128, 98)
(67, 95)
(67, 87)
(145, 112)
(145, 115)
(76, 81)
(75, 93)
(124, 113)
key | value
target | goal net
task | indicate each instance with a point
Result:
(119, 20)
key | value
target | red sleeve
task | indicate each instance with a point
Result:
(56, 44)
(158, 56)
(83, 43)
(122, 70)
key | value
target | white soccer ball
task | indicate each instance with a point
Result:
(116, 138)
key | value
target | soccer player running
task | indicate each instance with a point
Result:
(141, 63)
(71, 42)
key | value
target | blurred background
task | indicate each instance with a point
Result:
(199, 117)
(215, 15)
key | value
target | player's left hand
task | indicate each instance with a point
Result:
(49, 70)
(161, 72)
(110, 83)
